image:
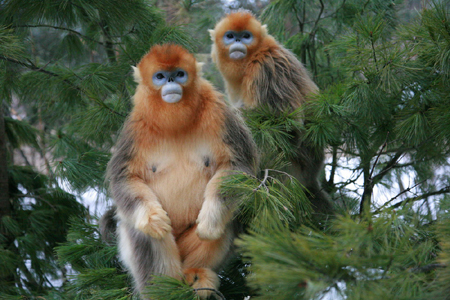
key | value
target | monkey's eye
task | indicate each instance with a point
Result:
(180, 74)
(247, 37)
(159, 78)
(229, 37)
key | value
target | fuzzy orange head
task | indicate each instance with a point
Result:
(237, 36)
(168, 64)
(167, 93)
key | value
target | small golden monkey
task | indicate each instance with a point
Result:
(260, 72)
(178, 142)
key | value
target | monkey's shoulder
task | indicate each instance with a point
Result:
(279, 80)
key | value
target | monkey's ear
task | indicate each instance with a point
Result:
(264, 30)
(137, 74)
(212, 34)
(199, 66)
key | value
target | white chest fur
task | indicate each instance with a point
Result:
(180, 172)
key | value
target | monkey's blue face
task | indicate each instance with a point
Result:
(170, 81)
(238, 41)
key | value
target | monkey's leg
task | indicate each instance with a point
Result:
(201, 257)
(144, 255)
(215, 213)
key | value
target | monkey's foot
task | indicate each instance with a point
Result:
(202, 278)
(155, 223)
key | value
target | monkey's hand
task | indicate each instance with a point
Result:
(155, 222)
(211, 220)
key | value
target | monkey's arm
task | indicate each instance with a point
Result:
(136, 203)
(217, 211)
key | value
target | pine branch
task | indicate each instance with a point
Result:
(316, 23)
(212, 290)
(30, 65)
(60, 28)
(379, 154)
(427, 268)
(263, 182)
(300, 23)
(423, 196)
(398, 195)
(373, 51)
(388, 166)
(108, 45)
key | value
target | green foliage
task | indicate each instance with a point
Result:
(355, 257)
(273, 132)
(29, 236)
(269, 201)
(99, 274)
(164, 287)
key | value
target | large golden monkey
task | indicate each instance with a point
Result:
(260, 72)
(178, 142)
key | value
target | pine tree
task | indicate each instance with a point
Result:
(382, 114)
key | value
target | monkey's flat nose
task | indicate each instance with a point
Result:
(171, 79)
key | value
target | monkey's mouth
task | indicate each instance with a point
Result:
(237, 51)
(171, 92)
(171, 97)
(237, 55)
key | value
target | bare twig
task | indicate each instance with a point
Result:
(316, 23)
(390, 164)
(398, 195)
(427, 268)
(379, 154)
(263, 182)
(423, 196)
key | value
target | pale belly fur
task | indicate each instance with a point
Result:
(179, 176)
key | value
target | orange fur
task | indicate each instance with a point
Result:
(195, 252)
(202, 278)
(235, 70)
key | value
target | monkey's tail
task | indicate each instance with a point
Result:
(108, 225)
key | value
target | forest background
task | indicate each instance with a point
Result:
(383, 69)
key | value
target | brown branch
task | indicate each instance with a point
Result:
(423, 196)
(390, 164)
(373, 51)
(398, 195)
(379, 154)
(427, 268)
(300, 23)
(316, 23)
